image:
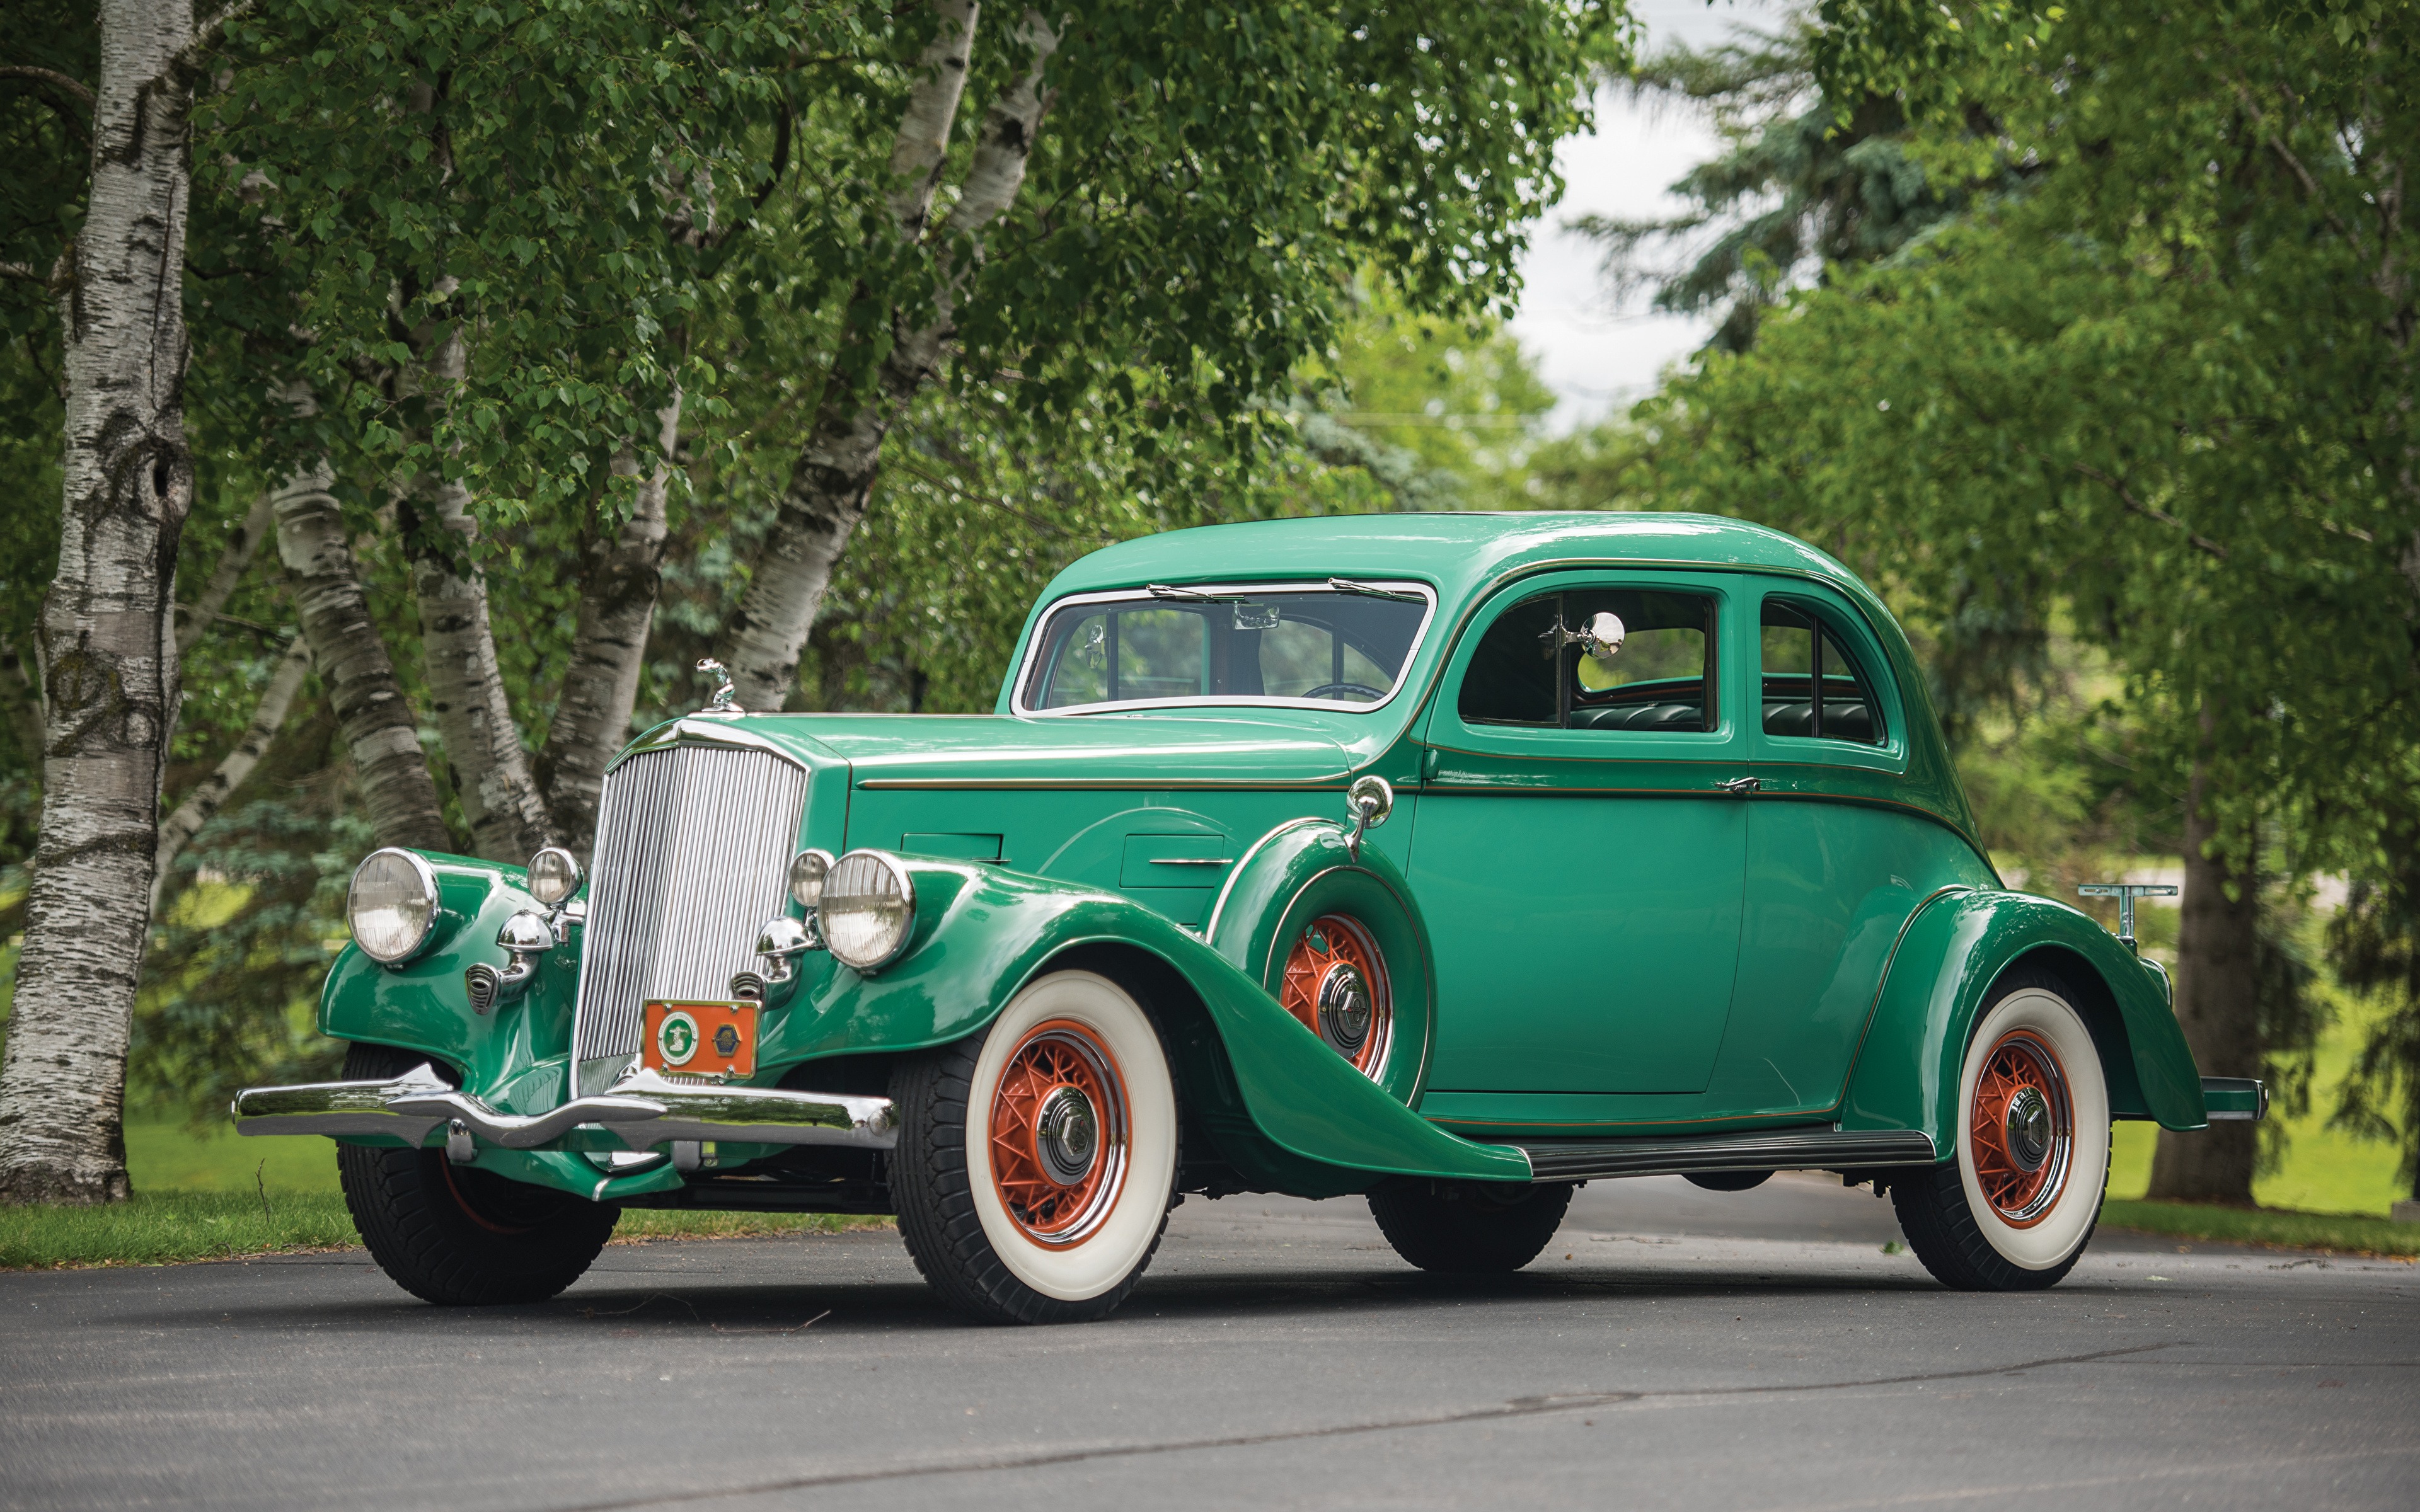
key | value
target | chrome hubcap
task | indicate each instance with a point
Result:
(1344, 1007)
(1068, 1135)
(2030, 1129)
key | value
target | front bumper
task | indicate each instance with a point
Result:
(641, 1110)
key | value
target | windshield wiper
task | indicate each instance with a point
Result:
(1347, 585)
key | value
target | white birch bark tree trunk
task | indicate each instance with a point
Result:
(600, 688)
(376, 720)
(834, 475)
(466, 688)
(106, 643)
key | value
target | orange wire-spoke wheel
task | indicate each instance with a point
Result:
(1336, 983)
(1059, 1134)
(2022, 1128)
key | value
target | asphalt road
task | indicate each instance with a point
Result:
(1673, 1348)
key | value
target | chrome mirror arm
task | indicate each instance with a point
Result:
(1367, 804)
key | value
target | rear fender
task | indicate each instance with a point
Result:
(983, 933)
(1960, 941)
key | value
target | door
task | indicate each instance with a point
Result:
(1836, 864)
(1577, 858)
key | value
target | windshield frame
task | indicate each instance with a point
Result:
(1140, 594)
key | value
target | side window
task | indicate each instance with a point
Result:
(1543, 664)
(1812, 686)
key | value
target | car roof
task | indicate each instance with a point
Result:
(1460, 553)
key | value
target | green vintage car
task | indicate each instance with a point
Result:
(1450, 861)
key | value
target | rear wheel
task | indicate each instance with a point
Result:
(1037, 1160)
(2015, 1207)
(455, 1235)
(1468, 1227)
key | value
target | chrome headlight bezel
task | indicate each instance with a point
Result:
(868, 910)
(379, 947)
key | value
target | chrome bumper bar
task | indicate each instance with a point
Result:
(2243, 1099)
(641, 1109)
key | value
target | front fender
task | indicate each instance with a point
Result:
(983, 933)
(1947, 957)
(514, 1053)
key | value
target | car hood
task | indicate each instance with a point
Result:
(1106, 751)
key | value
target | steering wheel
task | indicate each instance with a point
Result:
(1329, 689)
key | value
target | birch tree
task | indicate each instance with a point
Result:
(106, 643)
(1189, 188)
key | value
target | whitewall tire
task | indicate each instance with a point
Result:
(2015, 1207)
(1037, 1160)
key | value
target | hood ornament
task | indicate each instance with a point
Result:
(722, 702)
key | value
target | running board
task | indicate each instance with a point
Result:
(1813, 1150)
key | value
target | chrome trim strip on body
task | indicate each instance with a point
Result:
(641, 1109)
(1825, 1150)
(1141, 594)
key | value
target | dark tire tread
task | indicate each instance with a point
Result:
(1931, 1200)
(403, 1201)
(931, 1189)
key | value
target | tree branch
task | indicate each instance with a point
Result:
(195, 618)
(2137, 507)
(203, 803)
(56, 84)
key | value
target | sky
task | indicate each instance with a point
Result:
(1599, 358)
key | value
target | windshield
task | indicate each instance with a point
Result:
(1291, 643)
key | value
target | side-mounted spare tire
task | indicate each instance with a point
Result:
(1339, 942)
(2015, 1206)
(455, 1235)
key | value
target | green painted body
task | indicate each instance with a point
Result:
(1586, 935)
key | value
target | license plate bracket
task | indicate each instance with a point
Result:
(686, 1036)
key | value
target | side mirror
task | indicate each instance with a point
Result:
(1367, 803)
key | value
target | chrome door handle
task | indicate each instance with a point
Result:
(1740, 787)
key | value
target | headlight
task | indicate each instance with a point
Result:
(807, 873)
(553, 875)
(393, 903)
(869, 906)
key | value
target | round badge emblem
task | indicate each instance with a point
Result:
(676, 1037)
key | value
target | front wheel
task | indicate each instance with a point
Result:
(1037, 1160)
(1468, 1227)
(455, 1235)
(2014, 1209)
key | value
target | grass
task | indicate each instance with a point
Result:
(164, 1228)
(216, 1197)
(2266, 1225)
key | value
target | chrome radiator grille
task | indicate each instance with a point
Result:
(693, 846)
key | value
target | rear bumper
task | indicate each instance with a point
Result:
(641, 1110)
(2234, 1099)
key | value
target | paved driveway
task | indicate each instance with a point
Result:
(1674, 1348)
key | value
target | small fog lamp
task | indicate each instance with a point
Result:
(554, 875)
